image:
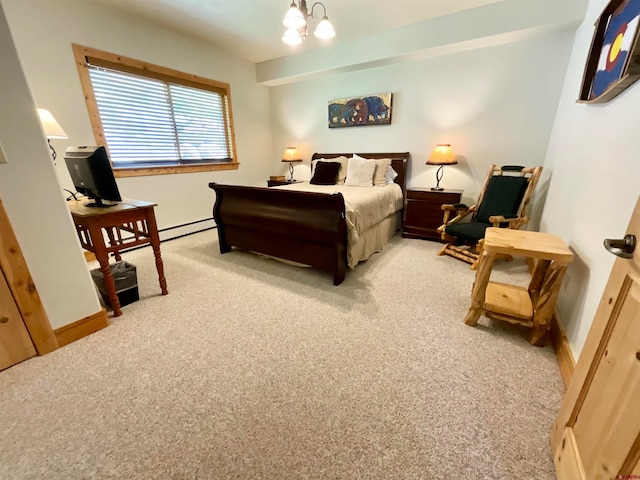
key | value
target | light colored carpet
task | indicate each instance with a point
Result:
(254, 369)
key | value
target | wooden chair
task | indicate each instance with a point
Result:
(503, 202)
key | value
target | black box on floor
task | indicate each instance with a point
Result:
(125, 279)
(125, 297)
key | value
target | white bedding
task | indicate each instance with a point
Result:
(364, 207)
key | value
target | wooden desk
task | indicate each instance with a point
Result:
(134, 217)
(531, 307)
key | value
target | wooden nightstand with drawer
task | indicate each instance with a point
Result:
(423, 212)
(277, 183)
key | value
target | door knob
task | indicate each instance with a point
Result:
(4, 319)
(621, 247)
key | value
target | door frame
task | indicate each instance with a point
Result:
(25, 294)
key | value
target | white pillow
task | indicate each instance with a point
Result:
(380, 174)
(342, 173)
(391, 174)
(360, 172)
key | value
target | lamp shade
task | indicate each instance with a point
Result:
(291, 154)
(442, 155)
(51, 128)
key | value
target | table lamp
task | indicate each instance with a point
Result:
(291, 155)
(442, 155)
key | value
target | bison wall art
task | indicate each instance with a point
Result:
(359, 111)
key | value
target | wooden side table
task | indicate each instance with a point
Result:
(134, 217)
(276, 183)
(424, 212)
(533, 306)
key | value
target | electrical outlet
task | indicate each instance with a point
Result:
(3, 159)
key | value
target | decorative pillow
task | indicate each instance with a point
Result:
(380, 174)
(360, 172)
(325, 173)
(391, 174)
(342, 173)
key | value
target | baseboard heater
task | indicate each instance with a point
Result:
(182, 225)
(176, 227)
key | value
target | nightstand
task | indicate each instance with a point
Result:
(276, 183)
(423, 212)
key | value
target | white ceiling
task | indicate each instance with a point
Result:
(252, 28)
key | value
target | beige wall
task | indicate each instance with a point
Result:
(593, 158)
(493, 105)
(30, 192)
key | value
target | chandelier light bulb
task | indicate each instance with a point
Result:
(292, 37)
(324, 30)
(296, 22)
(294, 18)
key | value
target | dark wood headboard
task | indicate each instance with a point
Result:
(399, 162)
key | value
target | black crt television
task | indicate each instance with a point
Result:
(92, 175)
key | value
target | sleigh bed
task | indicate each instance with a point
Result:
(322, 228)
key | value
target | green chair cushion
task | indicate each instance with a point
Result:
(502, 196)
(470, 232)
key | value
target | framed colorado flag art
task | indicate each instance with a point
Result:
(614, 59)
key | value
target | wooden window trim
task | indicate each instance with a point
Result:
(99, 57)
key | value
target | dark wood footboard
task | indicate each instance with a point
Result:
(304, 227)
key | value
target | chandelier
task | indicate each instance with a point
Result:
(296, 22)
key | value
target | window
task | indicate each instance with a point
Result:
(154, 120)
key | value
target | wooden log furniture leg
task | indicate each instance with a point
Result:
(479, 288)
(537, 278)
(545, 303)
(461, 253)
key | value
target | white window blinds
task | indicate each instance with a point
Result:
(151, 122)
